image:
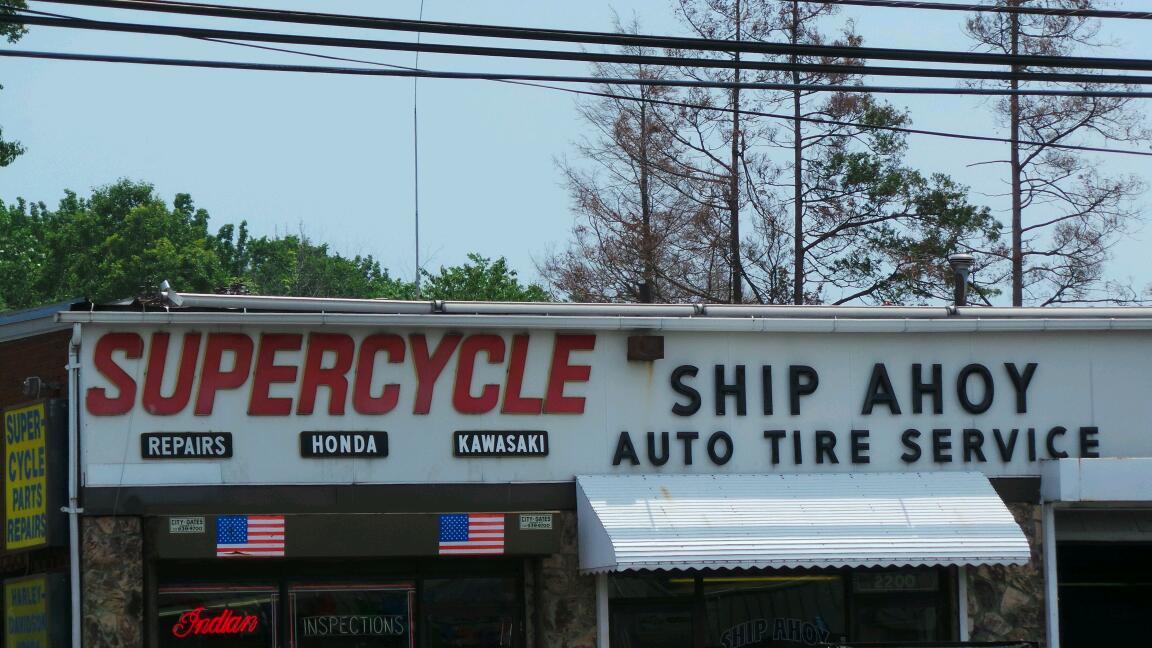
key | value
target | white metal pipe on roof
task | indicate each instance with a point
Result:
(722, 311)
(1037, 323)
(563, 308)
(296, 304)
(818, 312)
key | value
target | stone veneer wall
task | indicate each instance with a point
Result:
(1006, 603)
(112, 563)
(567, 605)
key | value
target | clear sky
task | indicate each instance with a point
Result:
(333, 155)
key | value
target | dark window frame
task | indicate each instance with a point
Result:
(944, 598)
(283, 574)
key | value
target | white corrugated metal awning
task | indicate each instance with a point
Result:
(635, 522)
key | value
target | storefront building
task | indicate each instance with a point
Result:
(34, 554)
(288, 472)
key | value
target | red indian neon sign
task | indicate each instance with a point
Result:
(194, 622)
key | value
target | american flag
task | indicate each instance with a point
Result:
(471, 533)
(249, 535)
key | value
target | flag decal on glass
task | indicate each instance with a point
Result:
(249, 535)
(471, 533)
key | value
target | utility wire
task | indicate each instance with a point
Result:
(595, 57)
(1004, 9)
(680, 104)
(571, 78)
(562, 78)
(608, 38)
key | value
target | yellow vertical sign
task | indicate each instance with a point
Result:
(25, 472)
(26, 613)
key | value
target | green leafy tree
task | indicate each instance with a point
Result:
(297, 266)
(481, 278)
(878, 231)
(123, 241)
(12, 33)
(22, 254)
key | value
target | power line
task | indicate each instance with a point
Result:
(607, 38)
(1004, 9)
(680, 104)
(561, 78)
(596, 57)
(693, 106)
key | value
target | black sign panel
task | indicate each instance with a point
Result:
(500, 443)
(186, 445)
(343, 444)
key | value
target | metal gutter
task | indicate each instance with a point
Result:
(15, 325)
(1037, 323)
(560, 309)
(73, 508)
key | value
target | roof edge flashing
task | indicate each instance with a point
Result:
(175, 299)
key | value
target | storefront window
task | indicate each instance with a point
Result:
(352, 616)
(774, 610)
(469, 612)
(218, 617)
(637, 624)
(780, 608)
(899, 605)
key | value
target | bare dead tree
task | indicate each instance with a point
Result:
(723, 151)
(638, 220)
(661, 190)
(1066, 215)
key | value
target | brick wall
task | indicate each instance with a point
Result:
(41, 355)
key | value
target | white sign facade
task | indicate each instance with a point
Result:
(541, 405)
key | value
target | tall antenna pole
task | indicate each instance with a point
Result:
(416, 155)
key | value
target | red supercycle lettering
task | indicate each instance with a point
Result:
(268, 372)
(284, 373)
(514, 403)
(362, 399)
(212, 377)
(98, 401)
(156, 403)
(462, 398)
(196, 622)
(555, 402)
(334, 378)
(429, 367)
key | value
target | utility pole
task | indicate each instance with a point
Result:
(734, 180)
(797, 172)
(1014, 161)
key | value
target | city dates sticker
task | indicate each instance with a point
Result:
(181, 525)
(535, 521)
